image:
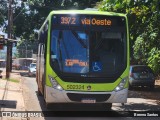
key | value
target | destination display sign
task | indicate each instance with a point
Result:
(88, 20)
(85, 21)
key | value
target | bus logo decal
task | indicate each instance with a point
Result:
(89, 87)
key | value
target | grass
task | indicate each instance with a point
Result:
(12, 80)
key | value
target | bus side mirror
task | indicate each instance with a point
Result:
(43, 37)
(36, 36)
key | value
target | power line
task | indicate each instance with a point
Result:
(18, 14)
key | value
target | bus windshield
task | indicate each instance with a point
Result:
(88, 49)
(70, 50)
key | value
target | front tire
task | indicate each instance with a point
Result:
(130, 87)
(107, 106)
(152, 87)
(49, 106)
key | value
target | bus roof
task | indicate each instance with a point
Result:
(90, 12)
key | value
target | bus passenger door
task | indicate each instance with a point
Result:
(40, 69)
(37, 68)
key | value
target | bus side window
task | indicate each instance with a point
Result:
(43, 46)
(43, 39)
(42, 49)
(43, 34)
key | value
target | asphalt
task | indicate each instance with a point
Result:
(11, 95)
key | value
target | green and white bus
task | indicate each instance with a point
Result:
(83, 57)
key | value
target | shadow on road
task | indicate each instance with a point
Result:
(76, 110)
(8, 104)
(85, 110)
(25, 74)
(146, 93)
(141, 107)
(90, 110)
(156, 89)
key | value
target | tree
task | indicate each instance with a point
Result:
(3, 12)
(32, 13)
(144, 24)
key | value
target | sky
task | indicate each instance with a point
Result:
(3, 52)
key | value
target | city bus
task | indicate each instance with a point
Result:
(83, 58)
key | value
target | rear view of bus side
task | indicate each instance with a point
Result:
(83, 57)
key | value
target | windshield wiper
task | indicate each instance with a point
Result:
(79, 40)
(60, 52)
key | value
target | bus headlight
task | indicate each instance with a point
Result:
(121, 84)
(55, 84)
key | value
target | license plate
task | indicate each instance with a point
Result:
(143, 76)
(88, 101)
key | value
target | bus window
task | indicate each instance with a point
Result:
(72, 50)
(53, 55)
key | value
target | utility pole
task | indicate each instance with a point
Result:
(9, 44)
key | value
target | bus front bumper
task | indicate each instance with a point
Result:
(56, 96)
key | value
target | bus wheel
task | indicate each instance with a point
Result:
(130, 87)
(107, 106)
(152, 87)
(48, 106)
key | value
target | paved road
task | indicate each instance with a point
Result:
(136, 102)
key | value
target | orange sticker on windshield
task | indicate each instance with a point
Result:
(71, 62)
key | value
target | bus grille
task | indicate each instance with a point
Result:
(78, 97)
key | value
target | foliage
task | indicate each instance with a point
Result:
(28, 16)
(3, 11)
(154, 60)
(144, 24)
(34, 12)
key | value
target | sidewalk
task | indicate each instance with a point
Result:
(11, 96)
